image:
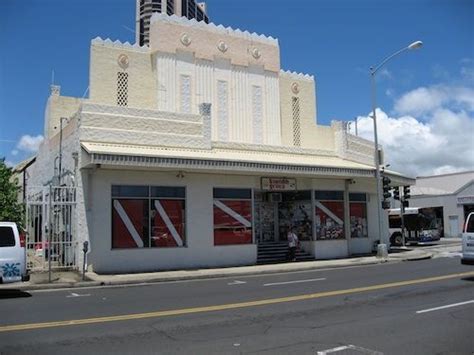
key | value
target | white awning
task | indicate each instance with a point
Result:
(224, 160)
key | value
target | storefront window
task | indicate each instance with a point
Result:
(232, 216)
(295, 211)
(144, 216)
(358, 215)
(329, 215)
(129, 223)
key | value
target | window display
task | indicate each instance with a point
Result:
(358, 215)
(144, 217)
(232, 216)
(329, 215)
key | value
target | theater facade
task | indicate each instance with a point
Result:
(195, 150)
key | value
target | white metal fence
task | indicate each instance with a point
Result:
(51, 228)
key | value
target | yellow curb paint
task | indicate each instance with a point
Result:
(222, 307)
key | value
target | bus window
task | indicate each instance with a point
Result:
(394, 222)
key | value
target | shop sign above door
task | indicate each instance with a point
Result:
(278, 184)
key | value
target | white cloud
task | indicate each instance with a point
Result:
(424, 100)
(29, 144)
(420, 100)
(14, 152)
(432, 133)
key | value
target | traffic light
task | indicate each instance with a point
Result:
(396, 193)
(386, 187)
(406, 192)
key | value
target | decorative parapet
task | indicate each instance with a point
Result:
(219, 29)
(119, 45)
(297, 76)
(360, 145)
(269, 149)
(126, 125)
(351, 147)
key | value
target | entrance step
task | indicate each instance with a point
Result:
(277, 252)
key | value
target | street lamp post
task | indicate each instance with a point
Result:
(373, 71)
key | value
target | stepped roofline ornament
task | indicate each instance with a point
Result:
(213, 27)
(296, 75)
(119, 45)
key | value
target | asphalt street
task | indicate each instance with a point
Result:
(421, 307)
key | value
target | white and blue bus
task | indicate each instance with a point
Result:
(421, 226)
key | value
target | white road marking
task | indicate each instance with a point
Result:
(444, 307)
(210, 278)
(293, 282)
(78, 295)
(237, 282)
(349, 347)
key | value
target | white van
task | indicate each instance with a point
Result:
(12, 254)
(468, 240)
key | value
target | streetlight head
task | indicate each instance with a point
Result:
(415, 45)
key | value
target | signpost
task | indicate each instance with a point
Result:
(278, 184)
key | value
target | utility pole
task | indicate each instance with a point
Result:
(60, 148)
(402, 219)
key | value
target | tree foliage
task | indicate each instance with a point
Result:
(11, 210)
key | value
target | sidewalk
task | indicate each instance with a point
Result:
(73, 279)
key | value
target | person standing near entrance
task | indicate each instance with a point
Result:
(292, 243)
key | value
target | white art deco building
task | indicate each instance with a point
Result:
(198, 150)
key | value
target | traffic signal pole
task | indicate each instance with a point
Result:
(403, 204)
(402, 218)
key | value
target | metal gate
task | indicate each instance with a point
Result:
(51, 238)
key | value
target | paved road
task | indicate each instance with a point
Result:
(444, 248)
(340, 311)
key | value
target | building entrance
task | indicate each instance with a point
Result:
(275, 212)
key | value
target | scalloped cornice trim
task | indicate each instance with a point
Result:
(264, 148)
(213, 27)
(296, 75)
(117, 44)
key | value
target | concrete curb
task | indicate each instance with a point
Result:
(227, 275)
(95, 280)
(421, 257)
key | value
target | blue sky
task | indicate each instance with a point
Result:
(334, 40)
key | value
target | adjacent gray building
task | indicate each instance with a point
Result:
(453, 193)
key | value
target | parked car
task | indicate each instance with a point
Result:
(468, 240)
(12, 254)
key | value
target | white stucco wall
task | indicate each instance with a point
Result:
(43, 171)
(231, 90)
(200, 250)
